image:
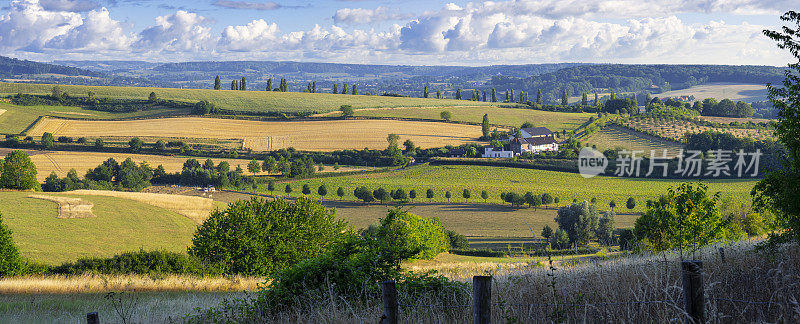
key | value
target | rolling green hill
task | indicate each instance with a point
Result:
(245, 102)
(566, 186)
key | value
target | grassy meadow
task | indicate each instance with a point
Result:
(316, 135)
(513, 117)
(566, 186)
(16, 119)
(243, 101)
(120, 225)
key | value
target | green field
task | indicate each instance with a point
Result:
(566, 186)
(121, 225)
(17, 118)
(612, 136)
(555, 121)
(243, 101)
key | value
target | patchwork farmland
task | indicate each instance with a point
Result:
(676, 129)
(243, 101)
(266, 135)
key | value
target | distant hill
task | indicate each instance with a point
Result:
(11, 67)
(108, 66)
(635, 78)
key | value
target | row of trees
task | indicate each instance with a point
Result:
(242, 85)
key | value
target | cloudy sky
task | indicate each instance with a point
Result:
(418, 32)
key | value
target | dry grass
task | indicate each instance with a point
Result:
(721, 90)
(264, 135)
(96, 283)
(634, 289)
(195, 208)
(69, 207)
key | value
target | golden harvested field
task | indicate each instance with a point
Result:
(514, 117)
(243, 101)
(195, 208)
(328, 135)
(721, 90)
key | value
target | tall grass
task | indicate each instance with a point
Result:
(750, 286)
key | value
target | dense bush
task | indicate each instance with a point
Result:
(457, 241)
(141, 262)
(18, 172)
(424, 235)
(109, 175)
(10, 260)
(260, 237)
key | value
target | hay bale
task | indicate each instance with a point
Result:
(69, 208)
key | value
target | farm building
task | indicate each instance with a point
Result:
(495, 152)
(534, 139)
(457, 153)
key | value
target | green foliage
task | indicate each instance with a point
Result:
(260, 237)
(18, 172)
(547, 232)
(778, 192)
(685, 217)
(446, 115)
(425, 236)
(560, 239)
(10, 260)
(47, 140)
(135, 144)
(204, 107)
(347, 111)
(141, 262)
(457, 241)
(579, 221)
(605, 229)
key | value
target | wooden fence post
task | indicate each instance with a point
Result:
(389, 302)
(482, 299)
(693, 293)
(92, 318)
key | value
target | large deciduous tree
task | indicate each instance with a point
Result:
(779, 192)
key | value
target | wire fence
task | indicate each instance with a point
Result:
(691, 304)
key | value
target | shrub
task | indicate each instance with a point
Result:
(141, 262)
(457, 241)
(260, 237)
(425, 236)
(18, 172)
(10, 260)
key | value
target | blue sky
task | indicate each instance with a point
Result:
(396, 32)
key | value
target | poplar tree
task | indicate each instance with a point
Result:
(494, 95)
(308, 87)
(217, 83)
(584, 100)
(612, 95)
(314, 87)
(344, 88)
(512, 98)
(596, 99)
(506, 95)
(355, 90)
(564, 100)
(335, 89)
(243, 86)
(269, 84)
(458, 93)
(539, 99)
(484, 95)
(438, 94)
(233, 85)
(425, 92)
(485, 126)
